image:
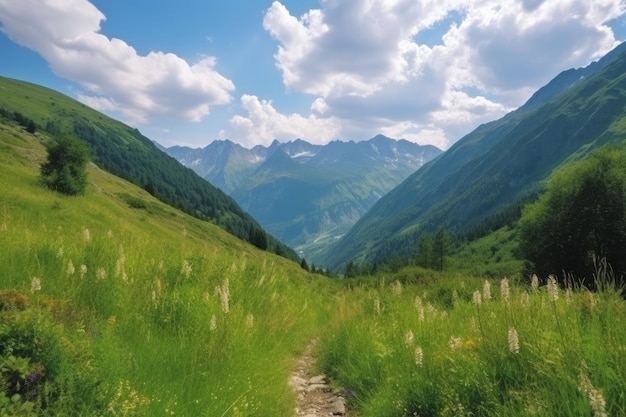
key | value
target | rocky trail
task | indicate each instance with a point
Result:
(314, 396)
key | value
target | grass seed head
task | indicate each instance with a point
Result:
(487, 291)
(476, 297)
(553, 288)
(505, 290)
(35, 285)
(513, 341)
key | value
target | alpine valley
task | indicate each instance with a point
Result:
(482, 182)
(307, 195)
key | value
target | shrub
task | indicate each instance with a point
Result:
(65, 170)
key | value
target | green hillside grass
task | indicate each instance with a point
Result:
(143, 310)
(125, 152)
(418, 343)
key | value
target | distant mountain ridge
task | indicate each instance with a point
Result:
(492, 170)
(307, 195)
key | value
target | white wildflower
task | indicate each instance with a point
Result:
(409, 338)
(553, 288)
(455, 342)
(419, 356)
(525, 299)
(486, 291)
(35, 284)
(595, 397)
(505, 290)
(534, 282)
(513, 341)
(186, 269)
(476, 297)
(101, 274)
(70, 268)
(86, 234)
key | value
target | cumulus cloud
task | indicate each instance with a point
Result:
(263, 123)
(362, 63)
(66, 34)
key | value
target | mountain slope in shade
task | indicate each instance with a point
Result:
(497, 166)
(309, 195)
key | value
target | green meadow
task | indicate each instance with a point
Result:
(115, 304)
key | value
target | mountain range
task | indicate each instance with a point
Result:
(364, 202)
(484, 179)
(304, 194)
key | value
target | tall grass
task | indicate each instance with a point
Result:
(114, 304)
(502, 349)
(140, 311)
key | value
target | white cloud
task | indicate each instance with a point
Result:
(361, 62)
(66, 34)
(263, 123)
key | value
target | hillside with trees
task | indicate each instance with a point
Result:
(481, 183)
(125, 152)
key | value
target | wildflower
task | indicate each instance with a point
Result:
(534, 282)
(70, 268)
(505, 290)
(455, 342)
(596, 400)
(213, 323)
(418, 303)
(525, 299)
(101, 274)
(477, 298)
(35, 284)
(513, 341)
(553, 289)
(83, 270)
(223, 292)
(419, 356)
(186, 269)
(86, 234)
(409, 338)
(487, 291)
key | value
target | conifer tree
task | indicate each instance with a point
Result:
(65, 170)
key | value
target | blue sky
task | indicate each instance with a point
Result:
(193, 71)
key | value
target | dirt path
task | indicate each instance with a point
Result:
(314, 395)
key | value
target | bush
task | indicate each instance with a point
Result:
(580, 219)
(65, 170)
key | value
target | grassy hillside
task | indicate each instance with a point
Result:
(117, 304)
(125, 152)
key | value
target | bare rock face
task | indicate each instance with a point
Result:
(315, 397)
